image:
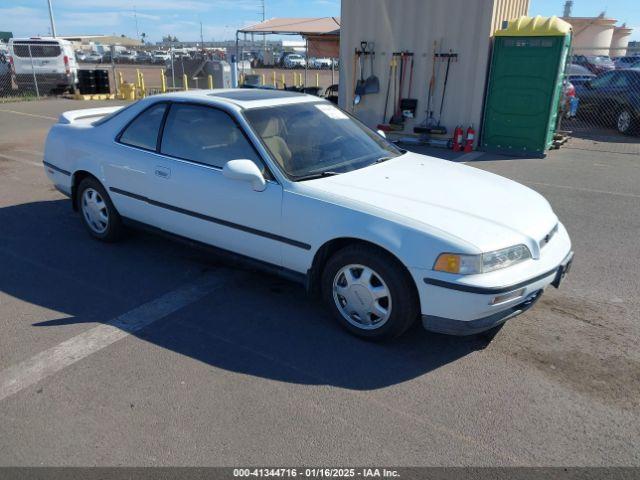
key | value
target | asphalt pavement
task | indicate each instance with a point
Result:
(148, 352)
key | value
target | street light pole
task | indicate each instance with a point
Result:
(53, 24)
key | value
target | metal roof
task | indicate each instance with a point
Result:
(296, 26)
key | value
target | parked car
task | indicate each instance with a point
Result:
(612, 98)
(160, 56)
(125, 56)
(294, 60)
(52, 59)
(626, 62)
(577, 74)
(594, 63)
(143, 57)
(93, 57)
(292, 183)
(80, 56)
(324, 62)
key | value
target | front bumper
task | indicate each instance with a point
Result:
(471, 300)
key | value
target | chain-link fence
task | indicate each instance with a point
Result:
(601, 101)
(43, 67)
(33, 69)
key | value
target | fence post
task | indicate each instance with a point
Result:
(185, 82)
(264, 79)
(163, 82)
(275, 83)
(33, 70)
(143, 90)
(283, 81)
(317, 80)
(210, 81)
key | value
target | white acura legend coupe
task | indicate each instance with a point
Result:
(294, 184)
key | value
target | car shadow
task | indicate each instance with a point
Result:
(258, 324)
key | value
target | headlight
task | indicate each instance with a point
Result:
(483, 263)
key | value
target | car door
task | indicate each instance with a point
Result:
(130, 161)
(195, 200)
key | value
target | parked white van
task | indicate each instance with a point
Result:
(51, 59)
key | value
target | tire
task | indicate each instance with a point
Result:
(345, 297)
(625, 121)
(98, 214)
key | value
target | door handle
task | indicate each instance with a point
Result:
(163, 172)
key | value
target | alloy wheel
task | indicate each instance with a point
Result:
(624, 121)
(362, 296)
(95, 211)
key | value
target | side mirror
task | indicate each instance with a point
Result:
(382, 134)
(246, 171)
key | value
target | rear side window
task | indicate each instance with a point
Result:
(205, 135)
(143, 131)
(38, 50)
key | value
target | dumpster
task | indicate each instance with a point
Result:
(525, 86)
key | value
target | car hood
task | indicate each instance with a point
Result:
(477, 207)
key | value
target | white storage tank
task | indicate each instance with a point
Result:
(592, 35)
(620, 41)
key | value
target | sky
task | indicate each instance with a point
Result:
(220, 18)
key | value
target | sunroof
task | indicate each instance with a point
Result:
(249, 94)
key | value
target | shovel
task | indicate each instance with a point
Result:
(371, 84)
(360, 86)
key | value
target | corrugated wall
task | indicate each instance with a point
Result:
(460, 25)
(507, 10)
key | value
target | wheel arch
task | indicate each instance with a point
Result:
(330, 247)
(77, 177)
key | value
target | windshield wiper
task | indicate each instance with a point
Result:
(311, 176)
(383, 159)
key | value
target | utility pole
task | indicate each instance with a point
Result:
(201, 38)
(264, 11)
(53, 24)
(135, 18)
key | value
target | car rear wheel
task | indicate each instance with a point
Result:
(369, 292)
(98, 213)
(625, 122)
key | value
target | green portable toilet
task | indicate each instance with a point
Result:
(525, 86)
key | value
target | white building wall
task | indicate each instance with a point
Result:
(463, 26)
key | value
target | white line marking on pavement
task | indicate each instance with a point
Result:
(22, 160)
(28, 114)
(24, 374)
(582, 189)
(30, 152)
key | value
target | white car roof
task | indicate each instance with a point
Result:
(243, 98)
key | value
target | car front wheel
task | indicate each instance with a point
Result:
(625, 121)
(98, 213)
(369, 292)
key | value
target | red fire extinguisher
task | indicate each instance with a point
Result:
(471, 136)
(457, 139)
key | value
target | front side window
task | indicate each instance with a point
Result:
(311, 139)
(143, 131)
(205, 135)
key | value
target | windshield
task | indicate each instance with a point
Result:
(309, 140)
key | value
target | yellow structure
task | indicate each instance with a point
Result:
(535, 27)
